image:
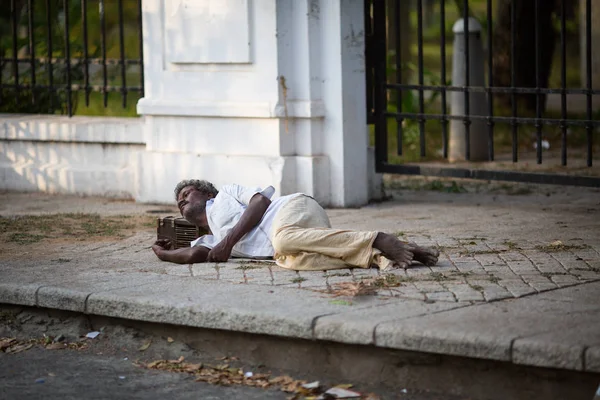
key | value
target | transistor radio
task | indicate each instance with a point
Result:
(178, 230)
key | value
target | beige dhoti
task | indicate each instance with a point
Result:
(304, 240)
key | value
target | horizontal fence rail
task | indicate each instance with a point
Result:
(453, 82)
(55, 54)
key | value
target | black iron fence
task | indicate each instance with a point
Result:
(434, 96)
(56, 54)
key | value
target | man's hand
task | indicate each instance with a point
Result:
(160, 246)
(220, 253)
(166, 244)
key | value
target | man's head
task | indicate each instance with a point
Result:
(191, 196)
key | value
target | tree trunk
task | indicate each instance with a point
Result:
(525, 49)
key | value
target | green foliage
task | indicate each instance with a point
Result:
(42, 100)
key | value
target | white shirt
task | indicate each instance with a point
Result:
(225, 210)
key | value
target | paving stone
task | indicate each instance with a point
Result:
(512, 256)
(589, 275)
(520, 290)
(489, 259)
(562, 280)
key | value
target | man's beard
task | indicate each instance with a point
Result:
(192, 213)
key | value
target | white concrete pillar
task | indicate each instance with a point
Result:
(256, 92)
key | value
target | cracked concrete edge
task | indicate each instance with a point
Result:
(457, 343)
(19, 294)
(528, 351)
(592, 359)
(107, 304)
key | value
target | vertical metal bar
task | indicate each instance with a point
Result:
(122, 51)
(399, 120)
(141, 46)
(380, 101)
(443, 77)
(421, 81)
(538, 105)
(467, 82)
(588, 67)
(513, 78)
(563, 82)
(13, 9)
(103, 50)
(68, 58)
(50, 66)
(31, 50)
(368, 65)
(490, 52)
(86, 67)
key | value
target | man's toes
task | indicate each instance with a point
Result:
(431, 261)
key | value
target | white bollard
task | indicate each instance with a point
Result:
(478, 131)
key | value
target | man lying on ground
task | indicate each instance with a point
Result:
(294, 230)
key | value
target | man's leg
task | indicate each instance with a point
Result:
(302, 226)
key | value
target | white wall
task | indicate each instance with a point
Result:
(79, 155)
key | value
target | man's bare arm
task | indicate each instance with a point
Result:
(250, 218)
(187, 255)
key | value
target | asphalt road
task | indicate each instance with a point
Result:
(69, 374)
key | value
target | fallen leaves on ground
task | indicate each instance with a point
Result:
(146, 345)
(225, 375)
(13, 345)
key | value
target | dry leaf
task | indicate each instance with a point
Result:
(341, 393)
(192, 367)
(56, 346)
(344, 385)
(145, 346)
(6, 343)
(19, 348)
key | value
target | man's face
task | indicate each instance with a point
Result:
(191, 203)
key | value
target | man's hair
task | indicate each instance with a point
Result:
(204, 187)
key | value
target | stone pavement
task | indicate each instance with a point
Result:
(518, 279)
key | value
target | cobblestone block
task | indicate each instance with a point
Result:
(469, 266)
(587, 275)
(488, 259)
(429, 287)
(564, 280)
(519, 290)
(493, 293)
(513, 256)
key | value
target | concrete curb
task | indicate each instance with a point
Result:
(558, 329)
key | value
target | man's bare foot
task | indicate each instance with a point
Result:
(394, 249)
(424, 255)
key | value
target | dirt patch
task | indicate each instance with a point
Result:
(43, 235)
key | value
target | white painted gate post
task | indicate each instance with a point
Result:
(256, 92)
